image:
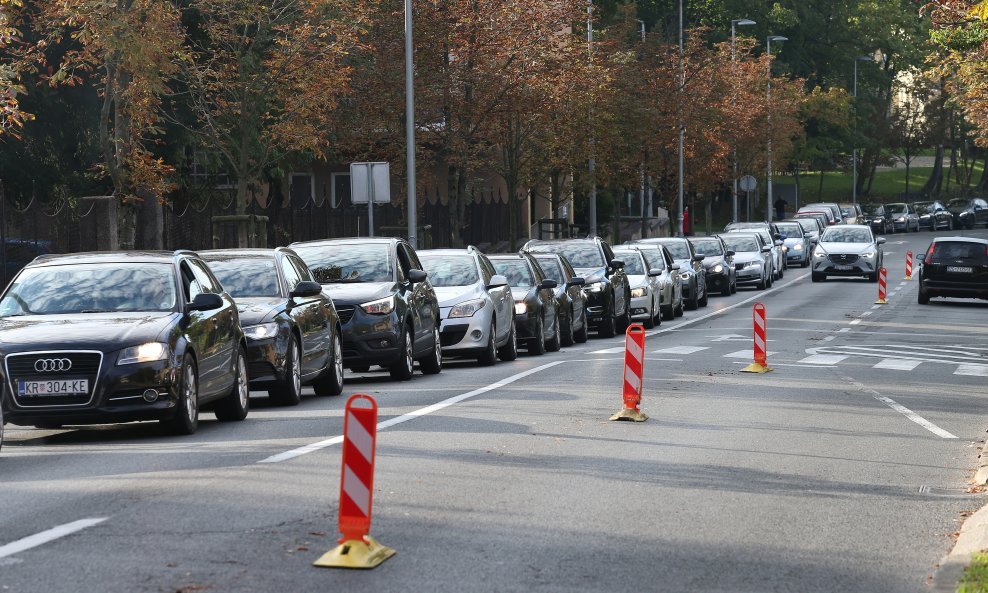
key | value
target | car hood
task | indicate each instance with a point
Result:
(637, 280)
(520, 294)
(592, 274)
(256, 310)
(358, 293)
(793, 241)
(451, 295)
(743, 257)
(857, 248)
(92, 331)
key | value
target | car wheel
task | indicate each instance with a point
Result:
(762, 283)
(818, 277)
(734, 286)
(703, 302)
(694, 303)
(922, 297)
(489, 356)
(568, 338)
(536, 345)
(727, 288)
(678, 311)
(234, 407)
(402, 368)
(950, 224)
(331, 380)
(1, 427)
(667, 312)
(873, 277)
(608, 325)
(582, 334)
(186, 418)
(555, 343)
(509, 351)
(289, 391)
(433, 363)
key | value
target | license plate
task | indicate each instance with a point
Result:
(843, 268)
(960, 269)
(53, 387)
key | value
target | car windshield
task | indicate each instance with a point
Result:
(678, 249)
(897, 208)
(580, 254)
(873, 209)
(958, 204)
(790, 230)
(450, 270)
(708, 247)
(348, 262)
(960, 250)
(516, 271)
(842, 235)
(246, 277)
(553, 270)
(925, 207)
(741, 244)
(632, 262)
(91, 288)
(808, 224)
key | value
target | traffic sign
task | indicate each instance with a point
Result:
(370, 179)
(748, 183)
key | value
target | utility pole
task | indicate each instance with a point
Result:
(412, 205)
(734, 98)
(592, 206)
(768, 49)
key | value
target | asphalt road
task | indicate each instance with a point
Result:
(845, 469)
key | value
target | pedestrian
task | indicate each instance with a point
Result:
(780, 208)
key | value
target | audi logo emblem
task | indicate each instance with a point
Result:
(46, 365)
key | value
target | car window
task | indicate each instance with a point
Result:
(348, 262)
(517, 272)
(654, 259)
(205, 278)
(451, 270)
(843, 235)
(245, 277)
(708, 247)
(292, 277)
(741, 244)
(487, 267)
(582, 254)
(301, 268)
(959, 250)
(678, 249)
(190, 285)
(633, 265)
(552, 269)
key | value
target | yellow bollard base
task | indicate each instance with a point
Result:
(630, 414)
(355, 554)
(756, 368)
(881, 302)
(909, 278)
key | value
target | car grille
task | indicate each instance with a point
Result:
(345, 312)
(844, 258)
(739, 267)
(85, 365)
(451, 337)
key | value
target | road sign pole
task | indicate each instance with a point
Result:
(370, 200)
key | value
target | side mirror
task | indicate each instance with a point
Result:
(576, 281)
(674, 267)
(766, 249)
(699, 257)
(778, 243)
(416, 276)
(306, 289)
(777, 236)
(729, 253)
(550, 284)
(207, 301)
(880, 241)
(497, 281)
(617, 264)
(655, 272)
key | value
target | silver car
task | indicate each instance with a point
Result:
(776, 257)
(475, 305)
(752, 258)
(904, 217)
(670, 287)
(848, 250)
(797, 244)
(646, 294)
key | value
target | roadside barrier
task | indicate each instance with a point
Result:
(760, 333)
(909, 265)
(634, 373)
(357, 548)
(881, 287)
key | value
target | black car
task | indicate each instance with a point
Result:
(878, 217)
(607, 289)
(692, 274)
(116, 337)
(292, 329)
(570, 299)
(954, 267)
(934, 215)
(718, 261)
(536, 318)
(968, 212)
(387, 307)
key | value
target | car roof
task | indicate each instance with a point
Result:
(463, 251)
(350, 240)
(236, 252)
(978, 240)
(111, 257)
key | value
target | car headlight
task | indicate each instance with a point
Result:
(638, 292)
(259, 332)
(144, 353)
(521, 308)
(467, 308)
(819, 252)
(868, 254)
(380, 307)
(717, 269)
(594, 287)
(797, 247)
(752, 264)
(901, 219)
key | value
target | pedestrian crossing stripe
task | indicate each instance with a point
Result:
(972, 370)
(822, 359)
(898, 364)
(681, 350)
(749, 353)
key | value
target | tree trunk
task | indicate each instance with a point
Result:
(934, 183)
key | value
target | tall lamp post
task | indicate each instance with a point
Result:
(734, 76)
(412, 205)
(854, 151)
(681, 165)
(592, 206)
(768, 184)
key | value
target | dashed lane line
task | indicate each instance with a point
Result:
(49, 535)
(913, 416)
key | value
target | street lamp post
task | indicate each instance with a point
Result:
(412, 205)
(854, 150)
(768, 184)
(592, 206)
(734, 76)
(681, 167)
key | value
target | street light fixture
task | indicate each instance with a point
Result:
(681, 166)
(412, 205)
(734, 75)
(768, 49)
(854, 139)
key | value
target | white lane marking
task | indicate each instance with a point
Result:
(33, 541)
(828, 338)
(681, 350)
(615, 350)
(844, 330)
(292, 454)
(972, 370)
(855, 322)
(903, 410)
(876, 306)
(822, 359)
(866, 313)
(898, 364)
(746, 354)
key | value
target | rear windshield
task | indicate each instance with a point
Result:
(246, 277)
(960, 250)
(632, 262)
(579, 254)
(348, 262)
(516, 271)
(708, 247)
(741, 244)
(790, 230)
(553, 270)
(447, 270)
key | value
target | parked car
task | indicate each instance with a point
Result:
(608, 294)
(646, 305)
(811, 228)
(904, 217)
(968, 212)
(823, 217)
(292, 329)
(571, 301)
(692, 274)
(475, 305)
(934, 215)
(851, 213)
(387, 307)
(536, 319)
(954, 267)
(92, 338)
(718, 262)
(17, 253)
(797, 244)
(848, 250)
(879, 218)
(775, 243)
(827, 212)
(831, 206)
(670, 286)
(752, 258)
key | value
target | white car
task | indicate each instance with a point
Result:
(847, 250)
(645, 290)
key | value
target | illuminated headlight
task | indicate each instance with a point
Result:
(521, 308)
(144, 353)
(717, 269)
(965, 214)
(797, 247)
(637, 293)
(595, 287)
(868, 254)
(752, 264)
(380, 307)
(467, 308)
(259, 332)
(901, 219)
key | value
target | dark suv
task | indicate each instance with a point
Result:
(387, 307)
(607, 289)
(954, 267)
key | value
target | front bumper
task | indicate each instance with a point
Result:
(858, 267)
(718, 282)
(465, 335)
(526, 325)
(750, 275)
(266, 361)
(598, 306)
(641, 307)
(371, 339)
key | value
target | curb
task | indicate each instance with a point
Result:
(973, 538)
(981, 476)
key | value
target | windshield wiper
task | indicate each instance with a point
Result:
(348, 281)
(97, 311)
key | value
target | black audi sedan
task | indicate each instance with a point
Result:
(570, 299)
(718, 263)
(954, 267)
(292, 329)
(968, 212)
(387, 307)
(93, 338)
(536, 318)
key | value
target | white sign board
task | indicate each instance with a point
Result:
(748, 183)
(370, 179)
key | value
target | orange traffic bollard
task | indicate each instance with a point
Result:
(634, 374)
(881, 287)
(909, 265)
(760, 334)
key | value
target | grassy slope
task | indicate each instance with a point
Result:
(887, 185)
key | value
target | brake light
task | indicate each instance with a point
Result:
(929, 254)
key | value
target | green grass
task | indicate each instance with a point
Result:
(888, 184)
(975, 578)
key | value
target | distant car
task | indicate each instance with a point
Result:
(797, 243)
(752, 258)
(570, 298)
(826, 212)
(387, 307)
(292, 329)
(968, 212)
(878, 217)
(769, 238)
(851, 213)
(904, 217)
(822, 217)
(608, 294)
(692, 274)
(475, 305)
(536, 319)
(92, 338)
(934, 216)
(718, 260)
(847, 250)
(646, 298)
(834, 208)
(954, 267)
(670, 286)
(811, 228)
(17, 253)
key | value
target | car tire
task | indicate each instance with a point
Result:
(235, 406)
(873, 277)
(694, 303)
(186, 418)
(288, 392)
(568, 338)
(402, 369)
(433, 363)
(727, 289)
(536, 345)
(922, 297)
(703, 301)
(668, 313)
(734, 286)
(950, 224)
(555, 343)
(509, 351)
(608, 325)
(818, 277)
(489, 355)
(330, 382)
(583, 334)
(762, 283)
(679, 311)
